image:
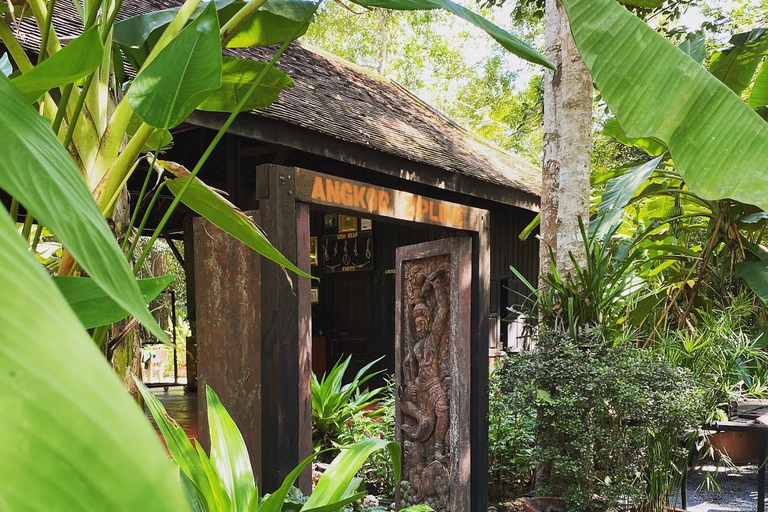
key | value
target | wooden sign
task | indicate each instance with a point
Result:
(347, 252)
(322, 189)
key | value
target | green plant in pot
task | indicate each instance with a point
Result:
(604, 414)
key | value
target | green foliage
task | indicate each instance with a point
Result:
(76, 60)
(602, 414)
(41, 175)
(678, 88)
(508, 41)
(335, 403)
(726, 352)
(170, 87)
(93, 307)
(378, 424)
(511, 431)
(236, 77)
(224, 482)
(598, 296)
(73, 438)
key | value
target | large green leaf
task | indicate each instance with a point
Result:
(228, 453)
(236, 79)
(94, 307)
(226, 216)
(41, 175)
(503, 37)
(169, 88)
(655, 90)
(134, 31)
(613, 129)
(759, 95)
(618, 192)
(736, 65)
(71, 438)
(274, 23)
(179, 446)
(76, 60)
(755, 273)
(335, 481)
(695, 46)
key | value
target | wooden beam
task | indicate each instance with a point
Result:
(381, 202)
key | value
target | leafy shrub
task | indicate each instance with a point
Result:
(377, 424)
(726, 351)
(511, 433)
(334, 403)
(604, 414)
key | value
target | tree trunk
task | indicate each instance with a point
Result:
(126, 356)
(566, 164)
(567, 142)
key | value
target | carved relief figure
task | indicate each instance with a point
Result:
(425, 390)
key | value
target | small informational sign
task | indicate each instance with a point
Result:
(347, 252)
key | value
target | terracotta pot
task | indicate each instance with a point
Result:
(544, 504)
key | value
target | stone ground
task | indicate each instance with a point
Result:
(738, 490)
(737, 493)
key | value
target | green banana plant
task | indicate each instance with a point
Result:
(225, 482)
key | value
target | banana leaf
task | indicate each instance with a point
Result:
(170, 87)
(41, 175)
(655, 90)
(735, 66)
(72, 439)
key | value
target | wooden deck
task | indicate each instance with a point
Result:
(180, 406)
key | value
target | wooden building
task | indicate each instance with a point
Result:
(349, 129)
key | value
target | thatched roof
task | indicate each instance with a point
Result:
(339, 99)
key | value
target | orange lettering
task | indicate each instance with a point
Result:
(432, 215)
(317, 189)
(423, 207)
(383, 201)
(370, 197)
(332, 191)
(358, 193)
(346, 194)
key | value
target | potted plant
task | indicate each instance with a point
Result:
(609, 421)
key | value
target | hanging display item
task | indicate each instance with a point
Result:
(347, 252)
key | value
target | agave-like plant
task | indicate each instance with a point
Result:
(333, 403)
(225, 482)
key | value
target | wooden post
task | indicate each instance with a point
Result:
(228, 302)
(286, 333)
(481, 304)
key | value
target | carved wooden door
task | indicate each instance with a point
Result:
(351, 319)
(432, 357)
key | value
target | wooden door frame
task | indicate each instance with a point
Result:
(383, 204)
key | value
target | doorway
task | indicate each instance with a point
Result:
(351, 314)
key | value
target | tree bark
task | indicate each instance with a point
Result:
(565, 187)
(126, 358)
(567, 143)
